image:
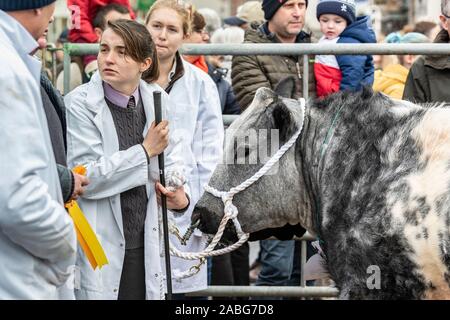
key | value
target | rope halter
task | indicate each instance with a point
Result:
(230, 210)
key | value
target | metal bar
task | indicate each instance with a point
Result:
(67, 60)
(293, 49)
(265, 291)
(77, 49)
(302, 264)
(306, 76)
(51, 48)
(53, 53)
(314, 48)
(82, 49)
(411, 11)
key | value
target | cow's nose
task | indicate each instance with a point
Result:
(203, 216)
(196, 216)
(209, 224)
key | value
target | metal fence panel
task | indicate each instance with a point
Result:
(73, 49)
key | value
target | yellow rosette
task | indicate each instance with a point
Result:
(86, 236)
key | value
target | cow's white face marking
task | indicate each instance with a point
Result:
(432, 136)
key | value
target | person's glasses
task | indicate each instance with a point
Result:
(446, 16)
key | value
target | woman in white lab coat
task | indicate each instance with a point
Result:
(103, 117)
(37, 237)
(197, 116)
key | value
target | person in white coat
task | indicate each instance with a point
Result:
(198, 119)
(111, 131)
(37, 237)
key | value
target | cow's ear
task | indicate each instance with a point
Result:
(284, 120)
(286, 87)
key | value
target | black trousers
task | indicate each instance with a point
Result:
(132, 280)
(231, 269)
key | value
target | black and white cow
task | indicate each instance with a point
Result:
(369, 175)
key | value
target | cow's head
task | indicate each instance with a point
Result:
(276, 199)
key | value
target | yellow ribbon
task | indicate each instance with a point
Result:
(85, 235)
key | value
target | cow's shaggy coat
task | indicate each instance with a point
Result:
(369, 175)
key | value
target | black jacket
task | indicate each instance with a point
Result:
(429, 77)
(56, 119)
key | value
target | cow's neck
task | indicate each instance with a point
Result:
(317, 133)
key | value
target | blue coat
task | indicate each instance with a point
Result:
(357, 71)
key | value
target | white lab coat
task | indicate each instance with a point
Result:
(37, 237)
(198, 122)
(92, 141)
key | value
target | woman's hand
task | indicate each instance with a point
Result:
(80, 183)
(157, 138)
(176, 200)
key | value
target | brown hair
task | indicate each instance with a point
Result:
(100, 18)
(138, 45)
(198, 22)
(424, 27)
(183, 10)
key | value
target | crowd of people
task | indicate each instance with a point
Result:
(106, 123)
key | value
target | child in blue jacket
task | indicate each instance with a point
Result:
(339, 25)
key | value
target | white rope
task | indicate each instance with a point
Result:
(230, 210)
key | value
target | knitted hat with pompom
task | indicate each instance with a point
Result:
(343, 8)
